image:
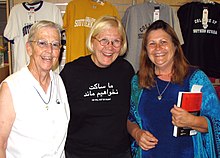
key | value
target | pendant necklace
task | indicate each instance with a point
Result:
(46, 103)
(159, 97)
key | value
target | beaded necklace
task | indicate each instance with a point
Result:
(46, 103)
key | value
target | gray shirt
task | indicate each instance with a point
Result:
(136, 20)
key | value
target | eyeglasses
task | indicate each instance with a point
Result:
(104, 42)
(44, 44)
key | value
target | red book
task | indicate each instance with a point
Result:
(190, 101)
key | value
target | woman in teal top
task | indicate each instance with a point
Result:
(164, 72)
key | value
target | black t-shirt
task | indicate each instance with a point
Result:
(99, 100)
(201, 37)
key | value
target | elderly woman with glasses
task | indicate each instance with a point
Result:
(98, 90)
(34, 110)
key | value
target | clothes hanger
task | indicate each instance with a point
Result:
(207, 2)
(32, 2)
(210, 2)
(98, 1)
(151, 1)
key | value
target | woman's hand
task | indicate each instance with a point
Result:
(182, 118)
(145, 139)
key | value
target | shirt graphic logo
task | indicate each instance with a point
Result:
(98, 92)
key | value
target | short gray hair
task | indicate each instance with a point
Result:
(41, 24)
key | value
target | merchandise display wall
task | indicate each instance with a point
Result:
(121, 6)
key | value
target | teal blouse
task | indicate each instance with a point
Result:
(206, 145)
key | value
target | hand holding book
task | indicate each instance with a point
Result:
(191, 102)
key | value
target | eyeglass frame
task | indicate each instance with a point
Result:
(108, 41)
(45, 44)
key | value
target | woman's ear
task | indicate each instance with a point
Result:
(92, 46)
(29, 48)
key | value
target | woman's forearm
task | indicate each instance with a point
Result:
(200, 124)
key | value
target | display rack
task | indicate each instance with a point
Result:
(121, 5)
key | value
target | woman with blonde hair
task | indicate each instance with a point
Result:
(98, 89)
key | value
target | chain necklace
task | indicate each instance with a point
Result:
(159, 97)
(46, 103)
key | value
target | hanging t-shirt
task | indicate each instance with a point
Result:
(200, 25)
(78, 19)
(22, 17)
(137, 19)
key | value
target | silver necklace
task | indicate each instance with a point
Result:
(159, 97)
(46, 103)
